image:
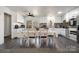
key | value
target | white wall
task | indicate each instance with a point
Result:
(6, 10)
(20, 18)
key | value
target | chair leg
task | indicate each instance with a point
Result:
(21, 42)
(26, 43)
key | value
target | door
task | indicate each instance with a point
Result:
(7, 25)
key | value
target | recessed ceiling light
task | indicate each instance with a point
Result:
(59, 12)
(76, 12)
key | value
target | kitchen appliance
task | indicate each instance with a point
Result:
(78, 34)
(77, 29)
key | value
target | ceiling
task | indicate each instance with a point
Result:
(43, 10)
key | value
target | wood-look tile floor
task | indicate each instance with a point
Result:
(66, 45)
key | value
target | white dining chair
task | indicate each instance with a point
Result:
(26, 39)
(43, 35)
(20, 35)
(32, 36)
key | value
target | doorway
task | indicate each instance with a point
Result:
(7, 26)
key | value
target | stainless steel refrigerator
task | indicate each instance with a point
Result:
(77, 29)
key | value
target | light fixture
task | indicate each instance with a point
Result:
(51, 18)
(59, 12)
(76, 12)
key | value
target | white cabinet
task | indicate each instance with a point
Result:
(61, 31)
(72, 35)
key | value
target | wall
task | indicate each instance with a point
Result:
(20, 18)
(6, 10)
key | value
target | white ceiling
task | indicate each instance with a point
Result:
(42, 10)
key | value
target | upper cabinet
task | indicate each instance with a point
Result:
(72, 14)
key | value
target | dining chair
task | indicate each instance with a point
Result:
(26, 39)
(50, 38)
(43, 37)
(32, 36)
(20, 35)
